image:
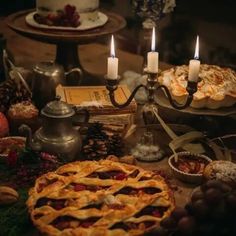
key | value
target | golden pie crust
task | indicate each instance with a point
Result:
(216, 89)
(99, 198)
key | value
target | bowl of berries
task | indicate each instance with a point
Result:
(188, 167)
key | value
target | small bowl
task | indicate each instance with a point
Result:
(187, 177)
(21, 146)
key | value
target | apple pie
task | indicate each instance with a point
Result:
(99, 198)
(217, 86)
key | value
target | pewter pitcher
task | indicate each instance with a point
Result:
(57, 134)
(47, 76)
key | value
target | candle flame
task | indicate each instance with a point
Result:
(113, 54)
(196, 55)
(153, 39)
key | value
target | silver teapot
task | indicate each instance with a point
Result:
(57, 134)
(46, 77)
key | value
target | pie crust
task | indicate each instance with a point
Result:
(99, 198)
(216, 89)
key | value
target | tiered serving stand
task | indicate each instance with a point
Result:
(66, 41)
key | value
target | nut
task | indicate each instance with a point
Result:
(8, 195)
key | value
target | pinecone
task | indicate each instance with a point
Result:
(95, 149)
(96, 131)
(11, 92)
(115, 145)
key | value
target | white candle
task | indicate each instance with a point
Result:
(152, 57)
(194, 64)
(112, 62)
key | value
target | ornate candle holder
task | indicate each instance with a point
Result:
(148, 115)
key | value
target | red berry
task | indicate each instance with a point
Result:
(156, 213)
(79, 187)
(12, 158)
(86, 224)
(120, 176)
(70, 10)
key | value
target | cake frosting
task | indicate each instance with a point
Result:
(68, 13)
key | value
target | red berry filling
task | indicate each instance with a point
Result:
(135, 191)
(152, 210)
(117, 175)
(54, 203)
(79, 187)
(68, 17)
(92, 188)
(64, 222)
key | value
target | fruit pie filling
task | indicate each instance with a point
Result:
(64, 222)
(149, 210)
(136, 191)
(59, 204)
(115, 174)
(82, 187)
(70, 222)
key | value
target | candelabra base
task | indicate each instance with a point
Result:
(146, 150)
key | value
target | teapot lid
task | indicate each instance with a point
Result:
(57, 109)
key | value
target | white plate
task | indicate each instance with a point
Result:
(163, 101)
(85, 25)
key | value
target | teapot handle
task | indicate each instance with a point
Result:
(77, 70)
(26, 131)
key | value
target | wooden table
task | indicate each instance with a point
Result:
(93, 57)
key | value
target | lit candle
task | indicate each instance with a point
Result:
(194, 64)
(112, 62)
(152, 57)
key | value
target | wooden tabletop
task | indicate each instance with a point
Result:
(93, 56)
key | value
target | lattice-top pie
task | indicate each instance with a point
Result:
(217, 87)
(99, 198)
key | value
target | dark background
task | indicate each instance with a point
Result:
(213, 20)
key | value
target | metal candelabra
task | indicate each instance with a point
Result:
(151, 87)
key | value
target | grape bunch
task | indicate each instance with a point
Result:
(211, 211)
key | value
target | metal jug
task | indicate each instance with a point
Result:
(46, 77)
(57, 134)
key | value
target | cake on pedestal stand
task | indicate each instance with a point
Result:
(67, 42)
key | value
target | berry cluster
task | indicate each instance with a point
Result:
(211, 211)
(69, 17)
(28, 165)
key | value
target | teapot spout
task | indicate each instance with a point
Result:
(26, 131)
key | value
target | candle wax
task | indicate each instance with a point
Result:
(112, 67)
(152, 62)
(194, 67)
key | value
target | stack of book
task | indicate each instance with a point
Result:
(96, 100)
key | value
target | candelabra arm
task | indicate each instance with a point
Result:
(112, 90)
(191, 89)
